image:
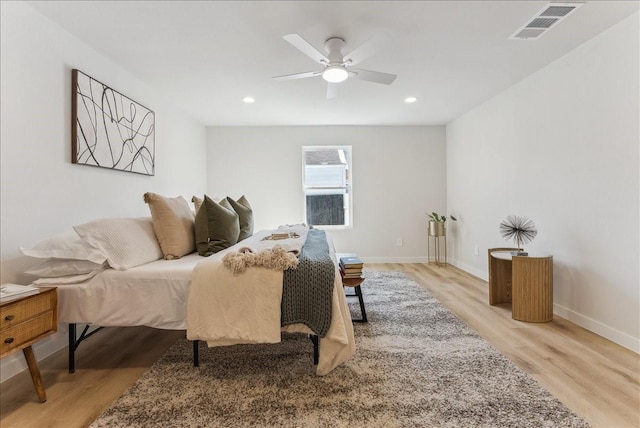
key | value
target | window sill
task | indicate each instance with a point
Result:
(332, 227)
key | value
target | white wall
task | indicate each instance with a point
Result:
(398, 175)
(561, 147)
(42, 193)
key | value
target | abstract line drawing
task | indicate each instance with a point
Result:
(110, 130)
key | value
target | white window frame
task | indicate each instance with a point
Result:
(348, 216)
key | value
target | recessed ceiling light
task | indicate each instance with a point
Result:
(249, 100)
(410, 100)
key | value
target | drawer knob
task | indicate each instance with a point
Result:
(9, 317)
(8, 340)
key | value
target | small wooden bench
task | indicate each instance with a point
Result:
(355, 283)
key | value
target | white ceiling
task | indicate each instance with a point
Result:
(206, 56)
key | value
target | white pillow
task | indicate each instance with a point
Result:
(66, 245)
(63, 280)
(127, 242)
(54, 268)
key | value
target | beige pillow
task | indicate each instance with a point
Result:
(173, 223)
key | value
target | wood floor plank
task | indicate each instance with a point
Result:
(107, 365)
(594, 377)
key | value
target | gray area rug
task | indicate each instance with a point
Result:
(416, 365)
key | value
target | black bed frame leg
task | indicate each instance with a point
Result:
(72, 348)
(314, 340)
(361, 300)
(196, 355)
(75, 341)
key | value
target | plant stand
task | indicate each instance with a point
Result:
(436, 231)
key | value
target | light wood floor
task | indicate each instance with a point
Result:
(596, 378)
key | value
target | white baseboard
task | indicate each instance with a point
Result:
(590, 324)
(616, 336)
(483, 275)
(394, 260)
(14, 364)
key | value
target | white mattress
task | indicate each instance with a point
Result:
(154, 294)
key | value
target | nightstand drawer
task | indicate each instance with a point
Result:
(17, 336)
(14, 313)
(23, 322)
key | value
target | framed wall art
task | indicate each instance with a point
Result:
(109, 129)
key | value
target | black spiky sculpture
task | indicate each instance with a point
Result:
(520, 229)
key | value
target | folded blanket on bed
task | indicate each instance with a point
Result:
(277, 258)
(293, 244)
(307, 290)
(231, 309)
(227, 309)
(265, 253)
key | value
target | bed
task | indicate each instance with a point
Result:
(156, 294)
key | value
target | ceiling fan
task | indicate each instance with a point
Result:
(338, 67)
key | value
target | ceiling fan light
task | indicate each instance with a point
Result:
(335, 74)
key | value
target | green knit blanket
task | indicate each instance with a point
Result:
(308, 289)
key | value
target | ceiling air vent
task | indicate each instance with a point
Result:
(549, 16)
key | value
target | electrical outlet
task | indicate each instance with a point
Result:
(399, 242)
(476, 250)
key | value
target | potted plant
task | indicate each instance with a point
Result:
(437, 224)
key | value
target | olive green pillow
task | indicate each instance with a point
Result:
(245, 216)
(217, 227)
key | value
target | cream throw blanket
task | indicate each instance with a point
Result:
(227, 309)
(281, 254)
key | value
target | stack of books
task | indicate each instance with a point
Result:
(351, 266)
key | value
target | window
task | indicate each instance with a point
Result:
(327, 186)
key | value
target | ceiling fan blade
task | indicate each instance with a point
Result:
(298, 75)
(368, 48)
(372, 76)
(306, 48)
(332, 90)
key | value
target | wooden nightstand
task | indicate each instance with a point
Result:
(24, 321)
